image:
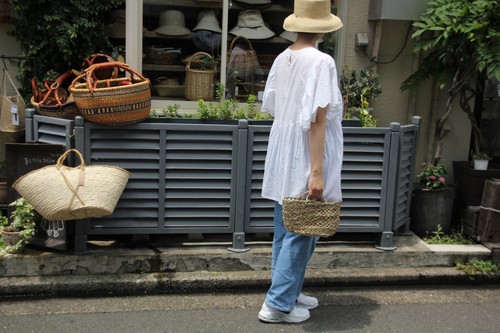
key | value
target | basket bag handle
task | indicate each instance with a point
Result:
(81, 178)
(199, 55)
(56, 94)
(233, 43)
(89, 73)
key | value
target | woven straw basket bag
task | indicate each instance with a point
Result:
(59, 192)
(311, 217)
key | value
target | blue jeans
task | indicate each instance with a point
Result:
(291, 253)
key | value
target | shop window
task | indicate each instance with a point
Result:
(169, 32)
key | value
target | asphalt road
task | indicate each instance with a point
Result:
(382, 309)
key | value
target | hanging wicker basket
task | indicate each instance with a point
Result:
(199, 83)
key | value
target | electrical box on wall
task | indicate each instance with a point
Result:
(406, 10)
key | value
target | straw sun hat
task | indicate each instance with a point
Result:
(312, 16)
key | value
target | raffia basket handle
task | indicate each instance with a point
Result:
(196, 56)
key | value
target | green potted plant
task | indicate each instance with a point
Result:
(18, 230)
(459, 43)
(358, 90)
(480, 159)
(432, 200)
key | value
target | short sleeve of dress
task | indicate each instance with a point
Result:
(269, 97)
(321, 90)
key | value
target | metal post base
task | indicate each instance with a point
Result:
(405, 230)
(238, 243)
(386, 241)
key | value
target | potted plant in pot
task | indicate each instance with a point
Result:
(459, 43)
(18, 230)
(432, 202)
(480, 160)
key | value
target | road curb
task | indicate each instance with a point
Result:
(204, 281)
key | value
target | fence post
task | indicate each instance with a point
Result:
(29, 131)
(80, 236)
(239, 213)
(386, 241)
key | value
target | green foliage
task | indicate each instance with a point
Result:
(479, 266)
(358, 89)
(459, 37)
(433, 177)
(480, 155)
(356, 86)
(439, 237)
(22, 220)
(60, 34)
(169, 111)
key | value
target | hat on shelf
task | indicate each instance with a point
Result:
(207, 35)
(172, 23)
(251, 25)
(254, 4)
(207, 20)
(313, 16)
(288, 35)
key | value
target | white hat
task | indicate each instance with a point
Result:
(290, 36)
(251, 25)
(172, 23)
(207, 20)
(312, 16)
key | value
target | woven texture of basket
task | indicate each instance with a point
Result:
(311, 217)
(56, 101)
(199, 83)
(163, 56)
(59, 192)
(243, 61)
(115, 101)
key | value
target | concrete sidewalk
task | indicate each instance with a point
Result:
(111, 268)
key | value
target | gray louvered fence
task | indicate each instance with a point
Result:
(206, 177)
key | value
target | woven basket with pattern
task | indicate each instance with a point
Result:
(311, 217)
(115, 101)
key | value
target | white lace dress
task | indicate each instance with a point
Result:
(298, 83)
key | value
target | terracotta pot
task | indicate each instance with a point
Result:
(10, 237)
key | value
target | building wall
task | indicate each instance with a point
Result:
(393, 105)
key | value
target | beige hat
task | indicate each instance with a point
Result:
(207, 20)
(251, 25)
(312, 16)
(172, 23)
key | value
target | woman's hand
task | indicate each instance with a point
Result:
(315, 186)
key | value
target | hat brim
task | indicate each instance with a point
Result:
(253, 33)
(210, 26)
(303, 24)
(172, 30)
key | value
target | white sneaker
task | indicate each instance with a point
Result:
(307, 302)
(270, 315)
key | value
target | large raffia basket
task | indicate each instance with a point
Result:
(59, 192)
(199, 83)
(311, 217)
(114, 101)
